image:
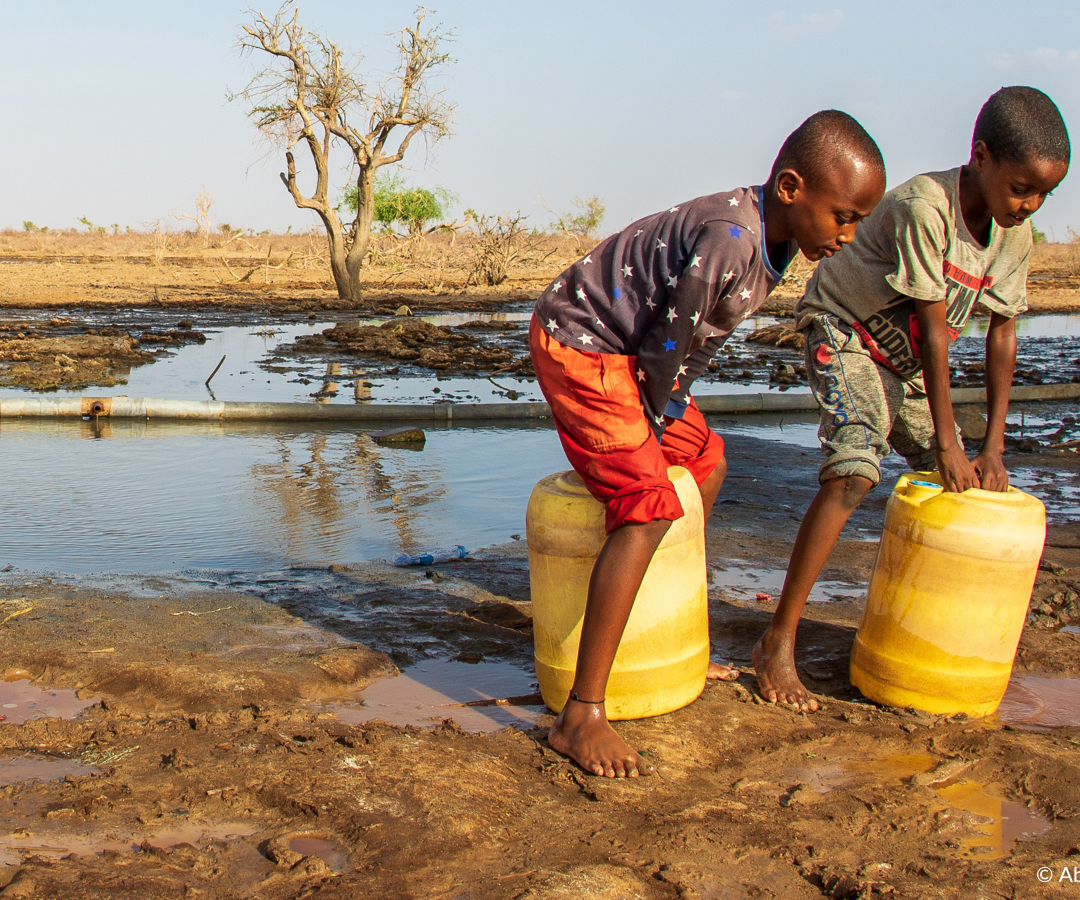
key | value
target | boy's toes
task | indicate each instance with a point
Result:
(720, 672)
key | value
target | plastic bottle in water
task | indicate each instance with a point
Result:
(432, 556)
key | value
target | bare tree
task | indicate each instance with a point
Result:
(309, 92)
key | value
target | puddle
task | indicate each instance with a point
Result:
(997, 823)
(21, 701)
(310, 845)
(745, 583)
(992, 824)
(19, 769)
(1039, 704)
(829, 775)
(434, 690)
(17, 845)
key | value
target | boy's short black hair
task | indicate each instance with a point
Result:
(812, 148)
(1021, 123)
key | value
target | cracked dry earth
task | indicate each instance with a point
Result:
(208, 764)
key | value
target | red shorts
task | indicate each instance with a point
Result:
(598, 413)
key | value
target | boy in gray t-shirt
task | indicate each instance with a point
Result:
(879, 319)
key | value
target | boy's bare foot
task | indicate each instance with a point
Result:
(776, 676)
(720, 672)
(582, 732)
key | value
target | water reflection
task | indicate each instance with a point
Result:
(144, 496)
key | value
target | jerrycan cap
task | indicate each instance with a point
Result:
(921, 490)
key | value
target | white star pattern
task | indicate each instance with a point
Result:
(627, 270)
(552, 325)
(638, 233)
(732, 201)
(660, 245)
(598, 322)
(673, 209)
(673, 281)
(745, 294)
(640, 374)
(556, 286)
(659, 420)
(649, 303)
(728, 276)
(585, 339)
(587, 260)
(672, 315)
(580, 293)
(695, 263)
(694, 318)
(682, 370)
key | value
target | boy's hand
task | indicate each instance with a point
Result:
(957, 474)
(991, 471)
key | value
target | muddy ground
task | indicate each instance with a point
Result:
(222, 772)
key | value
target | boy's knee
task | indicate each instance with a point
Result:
(850, 490)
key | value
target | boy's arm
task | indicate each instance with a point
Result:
(1000, 362)
(957, 474)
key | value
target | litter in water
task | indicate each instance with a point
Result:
(429, 558)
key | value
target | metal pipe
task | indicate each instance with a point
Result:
(151, 408)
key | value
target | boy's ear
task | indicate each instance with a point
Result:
(980, 156)
(787, 184)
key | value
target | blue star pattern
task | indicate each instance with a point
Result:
(683, 278)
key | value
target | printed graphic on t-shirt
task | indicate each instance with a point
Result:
(893, 337)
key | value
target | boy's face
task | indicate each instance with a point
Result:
(1013, 191)
(822, 215)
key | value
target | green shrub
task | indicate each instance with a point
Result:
(410, 207)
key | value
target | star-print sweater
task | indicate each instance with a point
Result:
(669, 289)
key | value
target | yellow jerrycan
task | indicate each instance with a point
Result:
(948, 597)
(664, 653)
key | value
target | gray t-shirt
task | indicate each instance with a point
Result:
(916, 246)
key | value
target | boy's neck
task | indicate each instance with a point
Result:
(774, 214)
(973, 206)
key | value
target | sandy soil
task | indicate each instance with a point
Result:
(222, 774)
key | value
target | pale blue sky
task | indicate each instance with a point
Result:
(116, 110)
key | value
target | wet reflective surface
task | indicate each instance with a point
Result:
(747, 583)
(19, 769)
(1036, 703)
(21, 701)
(146, 497)
(435, 690)
(22, 843)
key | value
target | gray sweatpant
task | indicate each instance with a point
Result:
(865, 407)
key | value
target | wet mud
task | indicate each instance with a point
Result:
(236, 740)
(47, 355)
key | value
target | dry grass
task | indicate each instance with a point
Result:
(436, 262)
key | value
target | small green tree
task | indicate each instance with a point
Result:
(1037, 237)
(586, 222)
(410, 207)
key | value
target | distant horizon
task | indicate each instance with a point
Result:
(119, 111)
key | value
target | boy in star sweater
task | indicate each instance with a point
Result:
(878, 324)
(618, 340)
